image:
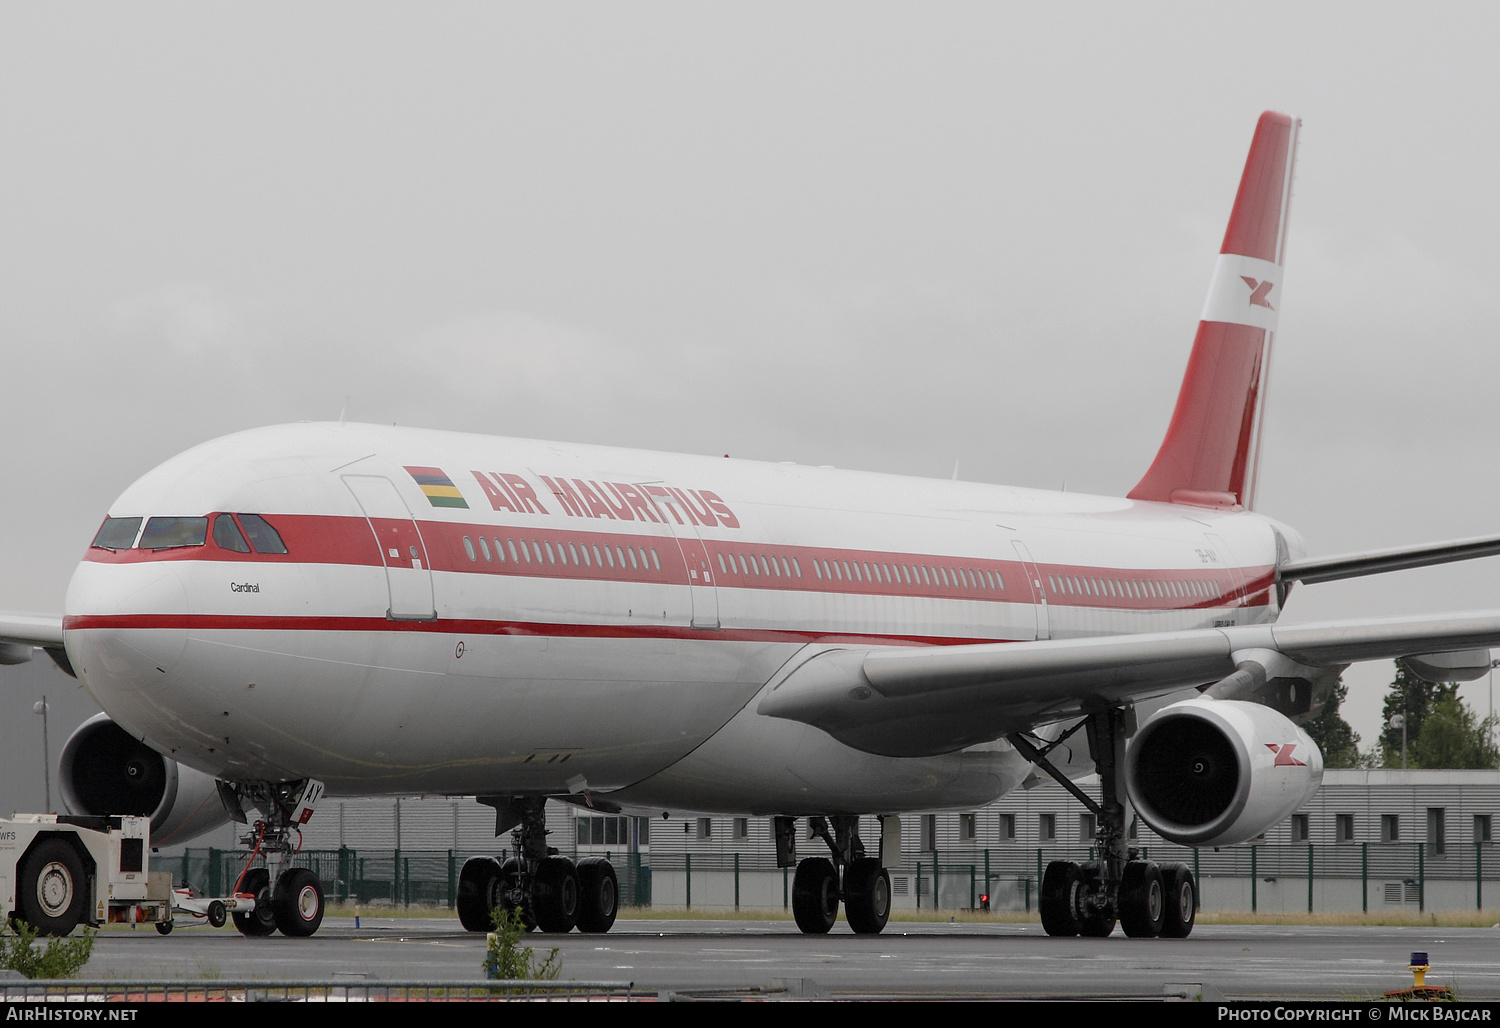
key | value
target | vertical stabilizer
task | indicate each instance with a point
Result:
(1211, 453)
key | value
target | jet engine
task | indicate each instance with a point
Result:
(105, 770)
(1208, 772)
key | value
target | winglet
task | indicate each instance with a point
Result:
(1211, 453)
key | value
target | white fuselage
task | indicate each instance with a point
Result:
(566, 618)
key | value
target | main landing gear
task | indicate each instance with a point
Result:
(269, 899)
(550, 891)
(861, 882)
(1146, 898)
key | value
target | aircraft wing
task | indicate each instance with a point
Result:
(21, 633)
(1375, 562)
(902, 701)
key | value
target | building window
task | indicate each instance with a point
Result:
(1390, 827)
(1344, 826)
(1437, 835)
(1134, 832)
(1481, 828)
(1086, 828)
(929, 832)
(1007, 828)
(604, 831)
(966, 827)
(742, 828)
(1300, 827)
(705, 828)
(1046, 828)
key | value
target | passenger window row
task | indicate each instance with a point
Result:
(1136, 588)
(559, 552)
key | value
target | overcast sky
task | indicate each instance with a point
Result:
(872, 235)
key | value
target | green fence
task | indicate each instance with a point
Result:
(948, 878)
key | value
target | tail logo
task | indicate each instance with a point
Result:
(1283, 753)
(1258, 292)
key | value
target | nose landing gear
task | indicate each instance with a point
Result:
(270, 899)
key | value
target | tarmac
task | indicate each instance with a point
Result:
(732, 958)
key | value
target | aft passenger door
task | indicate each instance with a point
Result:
(408, 574)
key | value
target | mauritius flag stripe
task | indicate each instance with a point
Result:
(437, 487)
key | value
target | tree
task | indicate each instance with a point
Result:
(1441, 730)
(1412, 698)
(1338, 742)
(1453, 737)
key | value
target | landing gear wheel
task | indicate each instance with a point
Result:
(815, 895)
(50, 896)
(298, 903)
(510, 887)
(164, 928)
(261, 921)
(554, 895)
(478, 891)
(1061, 902)
(217, 914)
(1142, 901)
(1096, 923)
(867, 896)
(1181, 909)
(598, 895)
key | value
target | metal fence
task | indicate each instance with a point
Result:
(489, 991)
(1349, 876)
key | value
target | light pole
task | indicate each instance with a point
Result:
(40, 707)
(1399, 721)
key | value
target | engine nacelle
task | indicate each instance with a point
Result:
(105, 770)
(1210, 772)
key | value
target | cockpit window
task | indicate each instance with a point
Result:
(262, 536)
(227, 535)
(166, 533)
(116, 533)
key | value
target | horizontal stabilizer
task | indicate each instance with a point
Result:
(916, 702)
(1375, 562)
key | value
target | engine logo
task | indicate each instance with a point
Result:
(1283, 753)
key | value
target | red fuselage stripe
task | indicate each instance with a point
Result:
(575, 555)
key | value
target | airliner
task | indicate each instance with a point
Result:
(354, 610)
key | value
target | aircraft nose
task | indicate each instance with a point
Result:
(123, 626)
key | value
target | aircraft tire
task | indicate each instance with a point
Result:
(867, 896)
(1181, 911)
(217, 914)
(554, 895)
(260, 922)
(52, 894)
(510, 885)
(598, 895)
(164, 928)
(1095, 923)
(815, 895)
(297, 904)
(1061, 903)
(478, 883)
(1142, 900)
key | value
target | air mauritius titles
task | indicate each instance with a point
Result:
(579, 498)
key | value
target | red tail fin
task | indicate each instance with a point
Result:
(1211, 453)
